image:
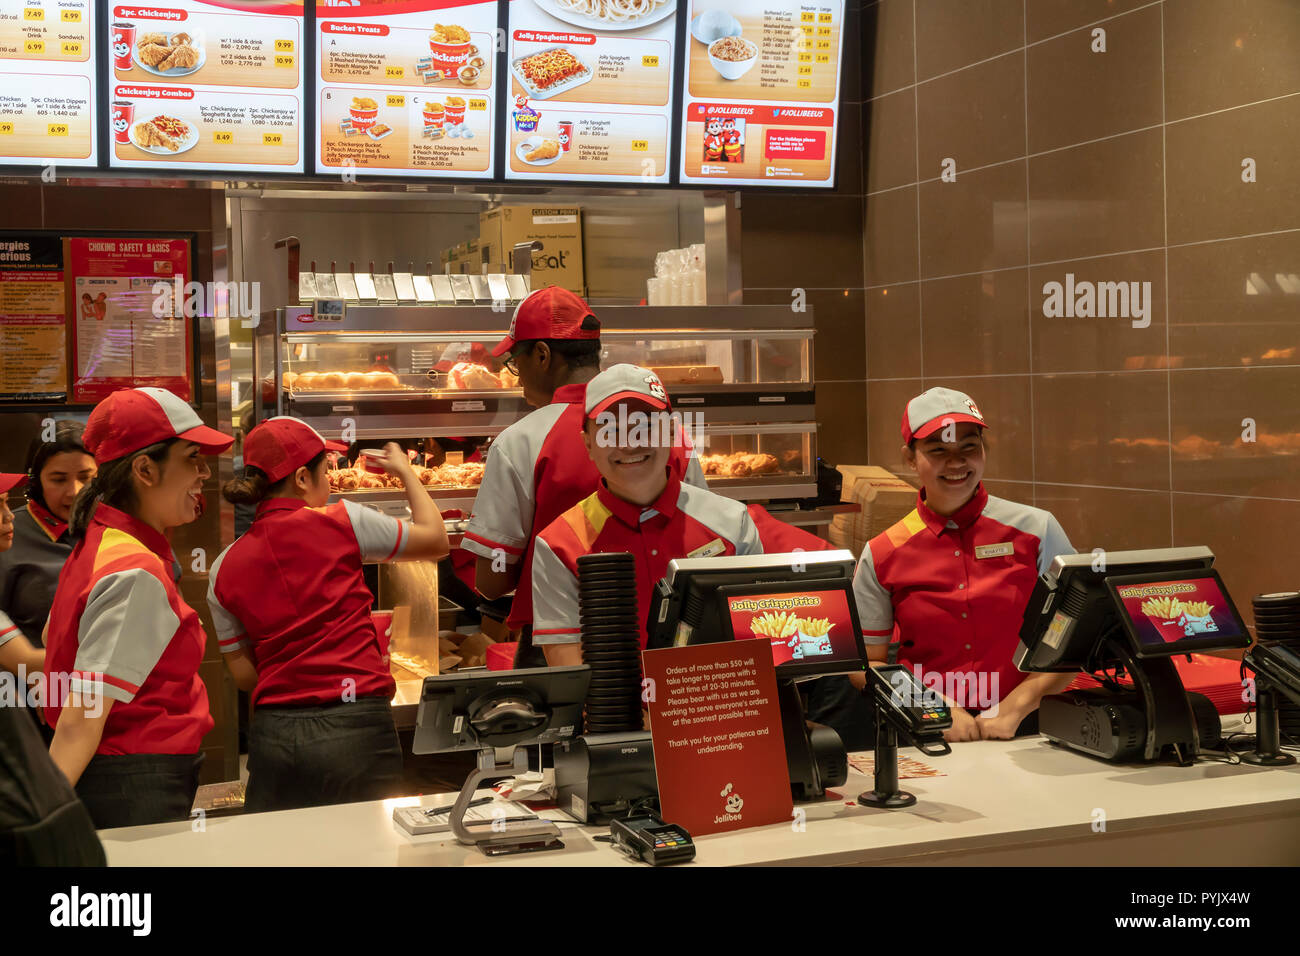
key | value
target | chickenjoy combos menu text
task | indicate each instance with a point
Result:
(591, 82)
(407, 87)
(47, 82)
(762, 89)
(215, 85)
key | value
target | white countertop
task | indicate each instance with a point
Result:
(1001, 802)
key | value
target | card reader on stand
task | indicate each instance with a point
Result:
(1277, 671)
(499, 713)
(902, 705)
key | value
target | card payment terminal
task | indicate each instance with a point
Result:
(646, 837)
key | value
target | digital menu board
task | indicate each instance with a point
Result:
(762, 82)
(47, 82)
(206, 85)
(591, 90)
(406, 88)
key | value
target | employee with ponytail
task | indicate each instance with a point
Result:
(123, 648)
(292, 613)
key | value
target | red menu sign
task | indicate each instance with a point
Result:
(131, 307)
(719, 747)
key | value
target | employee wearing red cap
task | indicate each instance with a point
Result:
(538, 467)
(639, 506)
(292, 613)
(16, 651)
(123, 648)
(951, 580)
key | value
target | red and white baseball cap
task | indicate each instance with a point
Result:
(281, 445)
(10, 481)
(618, 383)
(935, 408)
(550, 313)
(135, 418)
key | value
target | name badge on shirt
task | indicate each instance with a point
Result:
(994, 550)
(709, 550)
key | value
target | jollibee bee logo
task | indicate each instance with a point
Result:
(974, 410)
(734, 802)
(656, 387)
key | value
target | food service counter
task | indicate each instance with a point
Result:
(1023, 802)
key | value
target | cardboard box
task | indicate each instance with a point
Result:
(884, 499)
(557, 228)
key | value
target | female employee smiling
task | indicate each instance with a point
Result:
(954, 576)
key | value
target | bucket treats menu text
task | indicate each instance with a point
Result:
(47, 82)
(406, 88)
(215, 85)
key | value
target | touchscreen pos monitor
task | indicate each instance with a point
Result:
(1070, 609)
(801, 603)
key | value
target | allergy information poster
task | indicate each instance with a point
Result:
(129, 325)
(33, 351)
(590, 90)
(206, 86)
(47, 83)
(406, 88)
(762, 84)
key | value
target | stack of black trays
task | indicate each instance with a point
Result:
(607, 607)
(1277, 621)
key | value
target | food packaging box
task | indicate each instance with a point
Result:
(473, 650)
(884, 498)
(557, 228)
(494, 628)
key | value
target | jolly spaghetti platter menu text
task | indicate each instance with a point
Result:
(47, 82)
(406, 88)
(207, 85)
(762, 89)
(591, 90)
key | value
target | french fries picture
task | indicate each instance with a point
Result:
(779, 624)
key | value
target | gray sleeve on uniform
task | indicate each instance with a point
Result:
(555, 598)
(126, 626)
(1054, 542)
(503, 506)
(694, 473)
(381, 537)
(747, 540)
(8, 629)
(231, 632)
(875, 608)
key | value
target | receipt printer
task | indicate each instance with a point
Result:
(600, 776)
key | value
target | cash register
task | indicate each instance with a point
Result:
(1123, 616)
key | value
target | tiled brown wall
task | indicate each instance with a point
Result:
(1123, 165)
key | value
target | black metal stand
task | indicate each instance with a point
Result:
(1268, 743)
(886, 795)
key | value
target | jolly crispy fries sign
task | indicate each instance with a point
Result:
(1173, 610)
(804, 626)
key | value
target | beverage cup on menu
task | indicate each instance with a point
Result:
(123, 111)
(363, 112)
(434, 115)
(565, 130)
(455, 110)
(123, 41)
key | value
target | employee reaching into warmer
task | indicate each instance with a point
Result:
(128, 728)
(953, 577)
(292, 613)
(640, 506)
(539, 467)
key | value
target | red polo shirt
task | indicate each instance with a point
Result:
(118, 624)
(291, 590)
(536, 470)
(954, 590)
(684, 522)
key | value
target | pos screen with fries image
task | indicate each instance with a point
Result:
(1172, 610)
(808, 626)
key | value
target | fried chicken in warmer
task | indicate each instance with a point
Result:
(146, 134)
(153, 54)
(182, 56)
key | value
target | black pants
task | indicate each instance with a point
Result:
(135, 789)
(313, 756)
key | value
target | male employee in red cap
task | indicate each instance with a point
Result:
(952, 579)
(292, 613)
(123, 648)
(639, 506)
(539, 467)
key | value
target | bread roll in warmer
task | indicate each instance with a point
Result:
(288, 379)
(356, 380)
(332, 380)
(306, 380)
(384, 380)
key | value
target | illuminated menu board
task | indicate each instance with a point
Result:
(206, 86)
(47, 82)
(591, 90)
(762, 84)
(406, 88)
